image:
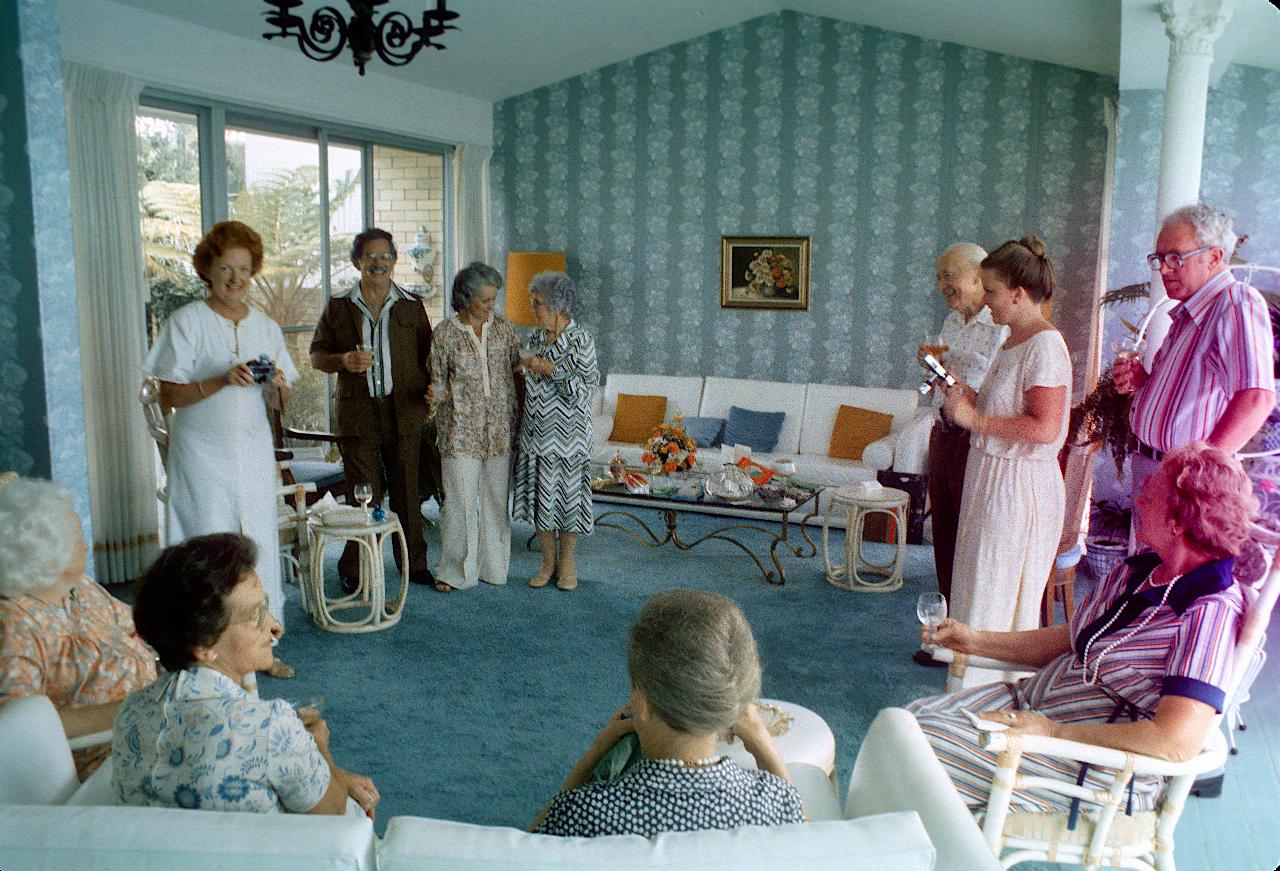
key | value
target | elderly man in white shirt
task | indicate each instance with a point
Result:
(966, 346)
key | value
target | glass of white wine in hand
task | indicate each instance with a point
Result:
(931, 608)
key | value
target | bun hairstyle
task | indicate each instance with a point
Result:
(1023, 263)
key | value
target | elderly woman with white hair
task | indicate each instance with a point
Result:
(553, 469)
(695, 673)
(61, 634)
(474, 357)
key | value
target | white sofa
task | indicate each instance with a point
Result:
(806, 430)
(60, 827)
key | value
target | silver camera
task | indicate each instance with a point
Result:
(936, 372)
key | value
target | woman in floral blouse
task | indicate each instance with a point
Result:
(553, 470)
(61, 634)
(196, 738)
(474, 356)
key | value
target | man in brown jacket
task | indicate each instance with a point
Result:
(376, 337)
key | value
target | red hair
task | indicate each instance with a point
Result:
(1210, 497)
(225, 236)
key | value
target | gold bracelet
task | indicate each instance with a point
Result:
(200, 390)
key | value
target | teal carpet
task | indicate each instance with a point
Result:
(476, 705)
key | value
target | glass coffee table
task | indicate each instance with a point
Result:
(769, 521)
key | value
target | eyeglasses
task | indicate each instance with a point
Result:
(1173, 259)
(384, 256)
(258, 616)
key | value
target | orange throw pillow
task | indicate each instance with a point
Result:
(637, 417)
(855, 429)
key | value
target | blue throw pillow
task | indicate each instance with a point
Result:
(757, 429)
(704, 430)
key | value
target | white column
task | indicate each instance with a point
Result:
(1192, 27)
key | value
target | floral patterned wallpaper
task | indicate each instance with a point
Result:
(882, 147)
(38, 297)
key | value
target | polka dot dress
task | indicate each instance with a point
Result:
(662, 796)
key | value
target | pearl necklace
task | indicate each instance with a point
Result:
(1097, 663)
(691, 763)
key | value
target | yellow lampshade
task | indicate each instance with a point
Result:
(522, 266)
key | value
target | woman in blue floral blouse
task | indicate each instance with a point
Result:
(196, 738)
(553, 470)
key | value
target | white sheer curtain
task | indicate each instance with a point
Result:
(471, 181)
(111, 295)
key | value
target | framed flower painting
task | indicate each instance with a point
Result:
(764, 272)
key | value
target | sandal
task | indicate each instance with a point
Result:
(442, 587)
(280, 669)
(567, 583)
(541, 579)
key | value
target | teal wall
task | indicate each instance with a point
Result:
(882, 147)
(42, 428)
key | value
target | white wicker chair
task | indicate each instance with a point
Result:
(1145, 839)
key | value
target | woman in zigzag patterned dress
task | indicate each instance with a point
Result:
(553, 470)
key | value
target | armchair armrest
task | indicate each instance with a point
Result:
(309, 436)
(1210, 757)
(911, 443)
(879, 454)
(601, 428)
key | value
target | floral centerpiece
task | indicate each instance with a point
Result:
(769, 274)
(670, 449)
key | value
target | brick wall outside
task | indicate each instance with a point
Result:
(408, 193)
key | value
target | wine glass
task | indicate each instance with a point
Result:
(931, 608)
(364, 495)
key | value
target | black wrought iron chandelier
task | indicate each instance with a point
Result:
(394, 38)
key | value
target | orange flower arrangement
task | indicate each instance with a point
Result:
(670, 448)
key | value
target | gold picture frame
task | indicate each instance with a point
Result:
(764, 272)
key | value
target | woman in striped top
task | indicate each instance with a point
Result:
(1144, 663)
(553, 468)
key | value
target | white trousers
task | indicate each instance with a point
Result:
(475, 526)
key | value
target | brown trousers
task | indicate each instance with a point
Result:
(948, 454)
(375, 460)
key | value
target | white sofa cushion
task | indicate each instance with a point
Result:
(683, 392)
(718, 394)
(823, 401)
(161, 839)
(893, 841)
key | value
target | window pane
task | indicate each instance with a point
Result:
(345, 221)
(408, 202)
(169, 195)
(273, 185)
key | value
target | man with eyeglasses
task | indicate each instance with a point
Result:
(1212, 379)
(376, 337)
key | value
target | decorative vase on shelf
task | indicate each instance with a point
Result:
(617, 467)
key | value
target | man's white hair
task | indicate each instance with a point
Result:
(968, 253)
(1211, 226)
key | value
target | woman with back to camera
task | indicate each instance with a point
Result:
(553, 470)
(196, 738)
(1011, 515)
(221, 467)
(474, 358)
(695, 673)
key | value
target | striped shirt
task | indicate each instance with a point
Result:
(373, 333)
(1184, 650)
(1219, 344)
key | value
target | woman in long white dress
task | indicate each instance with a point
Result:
(1011, 512)
(221, 465)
